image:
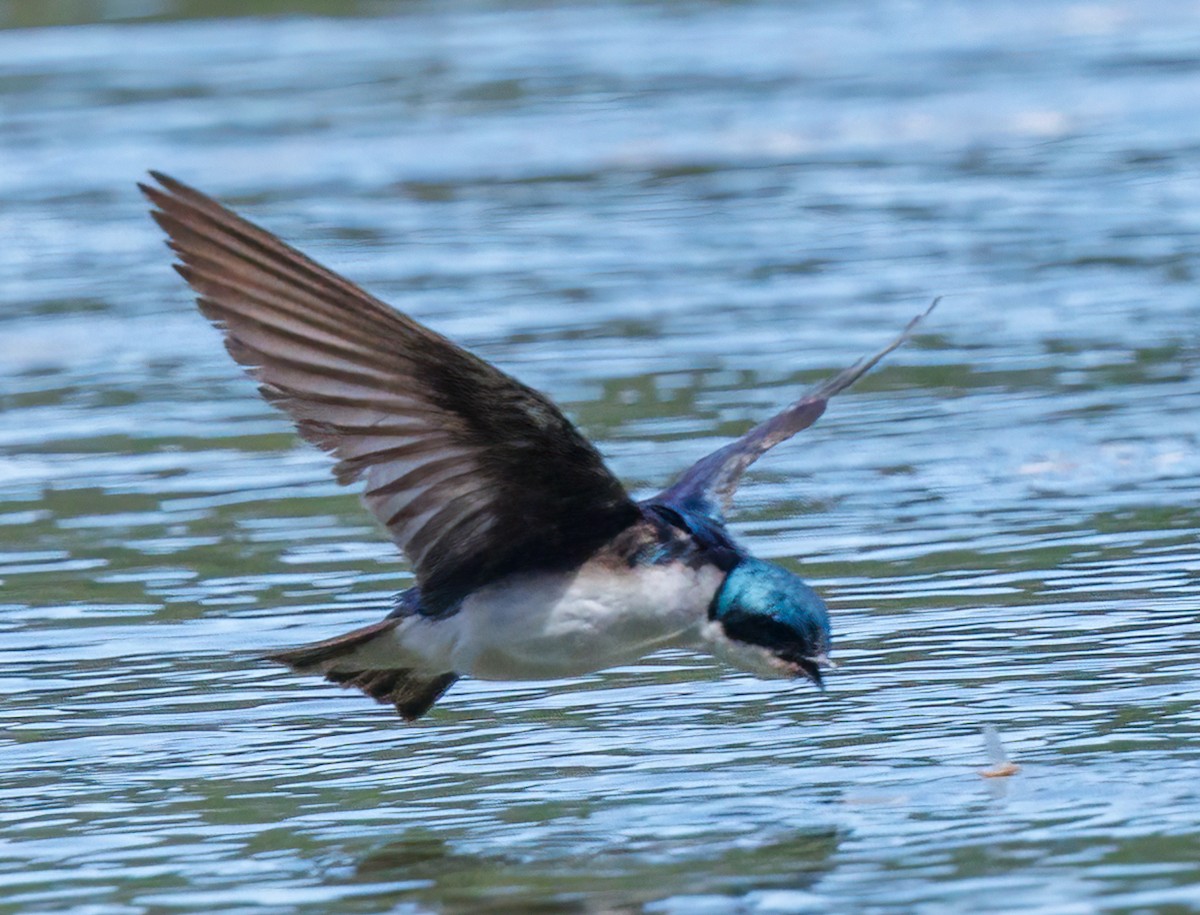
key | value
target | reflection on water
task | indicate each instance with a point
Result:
(622, 875)
(672, 217)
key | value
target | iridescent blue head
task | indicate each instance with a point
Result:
(767, 621)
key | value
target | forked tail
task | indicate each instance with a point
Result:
(413, 693)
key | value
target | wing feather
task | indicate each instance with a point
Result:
(473, 474)
(709, 484)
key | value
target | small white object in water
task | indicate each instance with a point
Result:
(1001, 765)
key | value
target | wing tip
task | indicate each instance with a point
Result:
(916, 321)
(172, 196)
(845, 378)
(168, 184)
(166, 187)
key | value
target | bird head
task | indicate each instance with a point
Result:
(767, 621)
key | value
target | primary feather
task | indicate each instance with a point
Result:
(709, 484)
(473, 474)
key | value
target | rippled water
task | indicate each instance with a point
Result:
(671, 217)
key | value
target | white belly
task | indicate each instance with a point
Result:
(560, 625)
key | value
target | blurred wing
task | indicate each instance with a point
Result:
(709, 484)
(473, 474)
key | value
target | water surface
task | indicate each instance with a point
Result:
(672, 217)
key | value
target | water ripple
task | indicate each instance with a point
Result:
(672, 218)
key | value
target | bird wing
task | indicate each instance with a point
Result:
(473, 474)
(709, 484)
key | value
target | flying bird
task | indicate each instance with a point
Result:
(531, 559)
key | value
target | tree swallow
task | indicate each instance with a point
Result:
(531, 559)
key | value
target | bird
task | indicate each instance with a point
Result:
(531, 560)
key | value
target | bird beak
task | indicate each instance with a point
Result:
(812, 667)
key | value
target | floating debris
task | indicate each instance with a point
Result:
(1001, 766)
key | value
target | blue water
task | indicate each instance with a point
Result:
(672, 217)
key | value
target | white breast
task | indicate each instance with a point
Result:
(551, 625)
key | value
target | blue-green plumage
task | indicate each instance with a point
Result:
(766, 605)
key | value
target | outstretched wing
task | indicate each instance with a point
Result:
(473, 474)
(709, 484)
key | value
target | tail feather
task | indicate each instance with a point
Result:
(318, 657)
(412, 692)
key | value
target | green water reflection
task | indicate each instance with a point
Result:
(672, 217)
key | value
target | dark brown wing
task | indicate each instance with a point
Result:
(709, 484)
(473, 474)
